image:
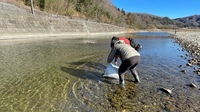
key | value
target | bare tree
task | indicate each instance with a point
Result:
(32, 9)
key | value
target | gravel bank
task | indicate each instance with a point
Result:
(188, 36)
(190, 40)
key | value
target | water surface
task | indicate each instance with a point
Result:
(66, 75)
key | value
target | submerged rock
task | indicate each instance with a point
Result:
(197, 71)
(189, 64)
(180, 66)
(184, 71)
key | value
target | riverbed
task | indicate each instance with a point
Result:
(65, 75)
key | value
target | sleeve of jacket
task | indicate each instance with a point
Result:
(111, 55)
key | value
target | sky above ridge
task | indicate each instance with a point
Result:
(163, 8)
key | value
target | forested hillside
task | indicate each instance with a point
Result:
(190, 21)
(103, 11)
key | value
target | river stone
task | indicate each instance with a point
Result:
(170, 107)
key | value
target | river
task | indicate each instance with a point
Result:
(65, 75)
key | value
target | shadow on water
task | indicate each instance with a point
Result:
(87, 70)
(104, 93)
(75, 72)
(91, 65)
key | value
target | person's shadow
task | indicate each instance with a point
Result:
(86, 70)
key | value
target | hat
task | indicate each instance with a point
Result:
(113, 40)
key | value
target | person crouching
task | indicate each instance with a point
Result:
(129, 56)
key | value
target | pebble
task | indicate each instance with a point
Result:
(184, 71)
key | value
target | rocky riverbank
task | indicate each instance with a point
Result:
(190, 40)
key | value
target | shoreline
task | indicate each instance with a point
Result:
(190, 41)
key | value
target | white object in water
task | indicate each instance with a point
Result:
(169, 91)
(193, 85)
(111, 71)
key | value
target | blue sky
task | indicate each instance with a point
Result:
(163, 8)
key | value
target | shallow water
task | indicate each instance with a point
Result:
(65, 75)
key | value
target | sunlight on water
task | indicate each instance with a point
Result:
(66, 75)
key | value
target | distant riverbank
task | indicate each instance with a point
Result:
(190, 40)
(192, 36)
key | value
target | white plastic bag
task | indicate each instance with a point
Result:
(111, 71)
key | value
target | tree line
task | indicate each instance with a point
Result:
(102, 11)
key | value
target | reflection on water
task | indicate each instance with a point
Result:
(153, 34)
(65, 75)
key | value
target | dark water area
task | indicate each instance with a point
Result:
(65, 75)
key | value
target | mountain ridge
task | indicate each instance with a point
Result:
(105, 12)
(189, 21)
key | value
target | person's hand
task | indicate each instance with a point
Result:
(138, 47)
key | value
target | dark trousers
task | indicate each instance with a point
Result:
(129, 64)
